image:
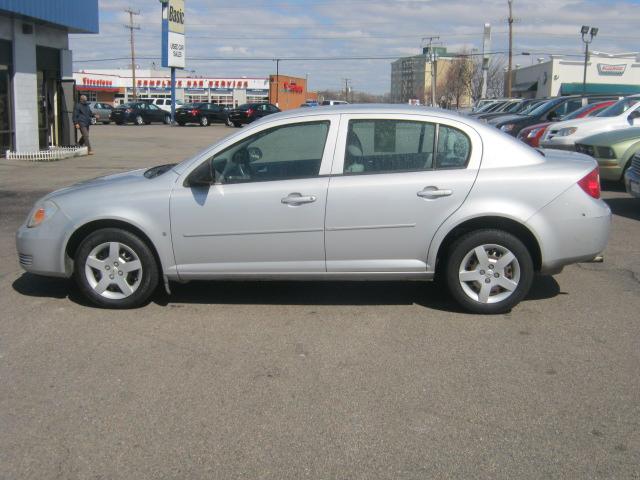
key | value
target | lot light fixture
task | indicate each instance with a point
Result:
(588, 33)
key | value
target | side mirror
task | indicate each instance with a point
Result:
(202, 176)
(553, 116)
(633, 116)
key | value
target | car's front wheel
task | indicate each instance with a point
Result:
(204, 121)
(116, 269)
(139, 120)
(489, 271)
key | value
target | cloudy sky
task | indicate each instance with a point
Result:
(247, 30)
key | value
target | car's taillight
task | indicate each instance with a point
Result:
(194, 112)
(590, 183)
(249, 112)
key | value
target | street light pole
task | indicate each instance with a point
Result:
(588, 33)
(510, 21)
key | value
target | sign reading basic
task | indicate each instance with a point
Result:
(173, 44)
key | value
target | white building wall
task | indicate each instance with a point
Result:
(25, 87)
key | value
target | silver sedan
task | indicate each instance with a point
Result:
(349, 192)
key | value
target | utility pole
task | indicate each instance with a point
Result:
(434, 66)
(131, 26)
(486, 42)
(346, 89)
(510, 20)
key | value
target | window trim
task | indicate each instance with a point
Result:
(435, 122)
(325, 162)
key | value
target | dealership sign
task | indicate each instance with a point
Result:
(616, 70)
(173, 44)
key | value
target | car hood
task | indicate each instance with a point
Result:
(607, 139)
(507, 119)
(590, 126)
(118, 183)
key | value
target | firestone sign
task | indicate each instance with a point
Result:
(614, 70)
(173, 42)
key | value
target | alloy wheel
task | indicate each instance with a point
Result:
(489, 273)
(113, 270)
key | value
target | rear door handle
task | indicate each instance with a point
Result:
(298, 199)
(434, 192)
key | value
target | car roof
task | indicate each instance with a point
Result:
(370, 108)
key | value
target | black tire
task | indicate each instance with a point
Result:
(181, 124)
(119, 123)
(167, 119)
(149, 276)
(106, 123)
(204, 121)
(237, 125)
(468, 242)
(139, 120)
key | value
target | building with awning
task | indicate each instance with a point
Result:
(606, 74)
(36, 84)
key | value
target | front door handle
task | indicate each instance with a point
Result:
(434, 192)
(298, 199)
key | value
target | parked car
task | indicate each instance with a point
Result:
(481, 103)
(140, 113)
(531, 135)
(333, 102)
(250, 112)
(101, 112)
(612, 150)
(553, 110)
(520, 108)
(565, 134)
(163, 103)
(632, 177)
(412, 193)
(310, 103)
(201, 113)
(498, 107)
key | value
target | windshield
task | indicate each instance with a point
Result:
(542, 108)
(529, 107)
(486, 107)
(245, 106)
(618, 108)
(581, 112)
(516, 107)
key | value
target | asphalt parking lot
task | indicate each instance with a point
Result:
(310, 380)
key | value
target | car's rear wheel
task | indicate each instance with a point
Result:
(167, 119)
(116, 269)
(228, 122)
(489, 271)
(181, 124)
(139, 120)
(93, 120)
(237, 125)
(204, 121)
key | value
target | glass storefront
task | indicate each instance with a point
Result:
(6, 122)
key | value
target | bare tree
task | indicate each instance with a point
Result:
(495, 78)
(458, 80)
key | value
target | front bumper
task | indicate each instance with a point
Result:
(632, 182)
(559, 143)
(41, 249)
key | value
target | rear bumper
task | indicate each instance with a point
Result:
(573, 228)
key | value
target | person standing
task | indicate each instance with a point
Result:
(82, 115)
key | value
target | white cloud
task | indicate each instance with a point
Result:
(305, 28)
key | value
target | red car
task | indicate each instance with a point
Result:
(531, 135)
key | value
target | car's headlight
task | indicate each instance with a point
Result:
(41, 213)
(507, 127)
(565, 132)
(606, 152)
